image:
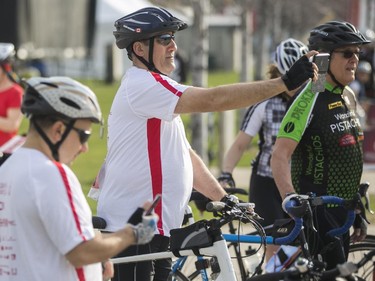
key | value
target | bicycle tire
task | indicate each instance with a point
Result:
(357, 251)
(177, 276)
(369, 239)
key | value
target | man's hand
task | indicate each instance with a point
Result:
(143, 226)
(108, 270)
(230, 200)
(360, 230)
(226, 180)
(300, 72)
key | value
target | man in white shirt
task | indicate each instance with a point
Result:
(46, 223)
(148, 152)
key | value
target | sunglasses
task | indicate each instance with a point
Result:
(83, 135)
(348, 54)
(164, 39)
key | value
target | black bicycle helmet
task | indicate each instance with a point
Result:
(144, 24)
(335, 34)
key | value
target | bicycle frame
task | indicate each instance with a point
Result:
(219, 246)
(256, 239)
(218, 249)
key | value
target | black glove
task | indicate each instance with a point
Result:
(136, 217)
(230, 200)
(227, 178)
(300, 71)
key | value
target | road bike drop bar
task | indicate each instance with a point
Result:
(297, 210)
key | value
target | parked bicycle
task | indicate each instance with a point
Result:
(204, 238)
(312, 201)
(246, 261)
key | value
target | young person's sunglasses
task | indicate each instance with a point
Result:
(83, 135)
(164, 39)
(348, 54)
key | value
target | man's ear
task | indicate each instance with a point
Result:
(139, 48)
(57, 130)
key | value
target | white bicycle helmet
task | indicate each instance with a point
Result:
(364, 66)
(288, 52)
(60, 96)
(6, 51)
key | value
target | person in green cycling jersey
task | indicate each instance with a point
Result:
(321, 137)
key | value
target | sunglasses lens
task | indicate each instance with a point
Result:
(165, 39)
(348, 54)
(83, 137)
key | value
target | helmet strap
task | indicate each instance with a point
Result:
(339, 85)
(54, 147)
(150, 63)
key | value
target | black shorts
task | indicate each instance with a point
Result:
(267, 199)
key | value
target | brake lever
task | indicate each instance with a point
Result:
(361, 207)
(309, 220)
(363, 191)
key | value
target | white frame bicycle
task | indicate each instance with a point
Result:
(218, 245)
(218, 248)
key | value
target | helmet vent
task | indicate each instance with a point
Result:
(49, 84)
(70, 103)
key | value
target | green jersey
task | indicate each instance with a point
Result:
(328, 158)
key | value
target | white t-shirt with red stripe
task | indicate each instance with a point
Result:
(148, 152)
(43, 215)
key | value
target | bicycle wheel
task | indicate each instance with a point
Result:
(357, 251)
(177, 276)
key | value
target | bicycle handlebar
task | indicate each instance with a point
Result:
(299, 208)
(196, 195)
(340, 202)
(298, 223)
(324, 200)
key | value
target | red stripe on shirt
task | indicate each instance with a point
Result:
(165, 83)
(80, 272)
(154, 157)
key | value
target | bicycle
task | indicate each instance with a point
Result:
(202, 264)
(314, 201)
(303, 270)
(205, 237)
